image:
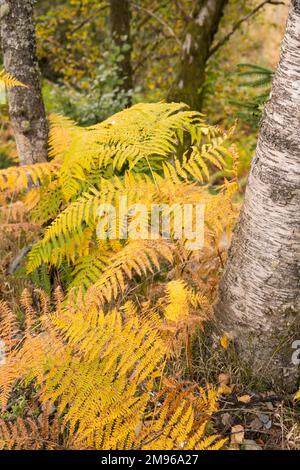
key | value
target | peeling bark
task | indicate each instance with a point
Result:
(199, 36)
(260, 289)
(120, 17)
(26, 105)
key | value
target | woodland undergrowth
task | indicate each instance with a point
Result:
(99, 353)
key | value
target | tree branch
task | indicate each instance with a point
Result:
(240, 22)
(159, 20)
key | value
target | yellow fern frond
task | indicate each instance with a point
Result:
(16, 179)
(297, 395)
(6, 80)
(173, 426)
(60, 135)
(100, 371)
(137, 257)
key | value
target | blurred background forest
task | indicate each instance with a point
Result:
(80, 61)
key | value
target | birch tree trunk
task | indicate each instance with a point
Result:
(120, 17)
(26, 105)
(260, 290)
(199, 36)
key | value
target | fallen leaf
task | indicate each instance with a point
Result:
(244, 399)
(224, 389)
(237, 434)
(268, 425)
(263, 418)
(249, 444)
(223, 378)
(226, 419)
(224, 341)
(255, 424)
(267, 422)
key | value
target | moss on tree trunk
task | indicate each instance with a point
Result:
(199, 36)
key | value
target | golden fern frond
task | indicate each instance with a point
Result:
(45, 202)
(221, 213)
(13, 212)
(141, 137)
(72, 232)
(100, 369)
(173, 425)
(178, 302)
(16, 179)
(88, 269)
(6, 80)
(66, 232)
(10, 329)
(181, 300)
(137, 258)
(9, 338)
(60, 134)
(93, 365)
(197, 163)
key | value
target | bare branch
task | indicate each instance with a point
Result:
(159, 20)
(240, 22)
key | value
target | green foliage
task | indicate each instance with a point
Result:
(41, 278)
(5, 161)
(96, 99)
(258, 79)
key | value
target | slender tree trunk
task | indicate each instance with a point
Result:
(26, 105)
(199, 36)
(120, 17)
(260, 289)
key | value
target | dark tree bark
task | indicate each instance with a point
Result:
(26, 105)
(199, 36)
(260, 290)
(120, 17)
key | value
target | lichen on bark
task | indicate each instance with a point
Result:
(26, 105)
(199, 36)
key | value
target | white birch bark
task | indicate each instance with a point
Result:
(260, 290)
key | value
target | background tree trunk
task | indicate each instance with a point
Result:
(26, 106)
(199, 36)
(120, 17)
(260, 289)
